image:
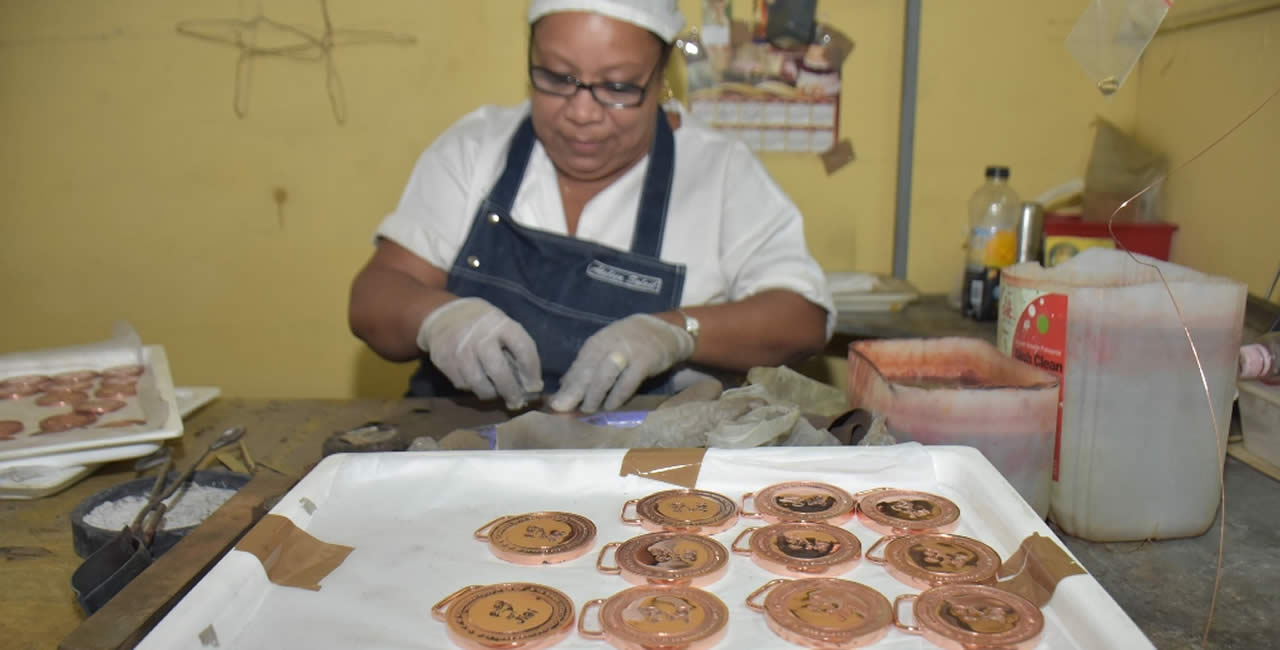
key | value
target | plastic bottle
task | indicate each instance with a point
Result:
(993, 243)
(1261, 360)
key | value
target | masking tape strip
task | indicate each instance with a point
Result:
(290, 555)
(675, 466)
(1036, 568)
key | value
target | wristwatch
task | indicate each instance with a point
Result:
(691, 324)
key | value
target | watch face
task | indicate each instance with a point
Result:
(979, 616)
(690, 511)
(509, 615)
(907, 511)
(804, 501)
(541, 537)
(828, 613)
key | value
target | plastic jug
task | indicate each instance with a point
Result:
(1137, 457)
(959, 391)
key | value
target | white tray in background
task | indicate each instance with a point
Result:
(869, 292)
(155, 402)
(36, 477)
(410, 517)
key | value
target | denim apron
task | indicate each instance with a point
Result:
(563, 289)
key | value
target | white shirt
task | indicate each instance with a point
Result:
(732, 227)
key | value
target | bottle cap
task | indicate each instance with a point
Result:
(1255, 361)
(995, 171)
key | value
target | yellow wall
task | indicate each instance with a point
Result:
(997, 86)
(1195, 84)
(131, 191)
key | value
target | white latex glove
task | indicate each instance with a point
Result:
(614, 361)
(481, 349)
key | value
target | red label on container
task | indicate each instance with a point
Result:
(1040, 339)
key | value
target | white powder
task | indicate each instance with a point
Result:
(187, 507)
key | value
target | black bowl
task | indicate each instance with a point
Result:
(87, 538)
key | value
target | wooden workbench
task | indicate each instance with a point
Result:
(37, 606)
(1163, 586)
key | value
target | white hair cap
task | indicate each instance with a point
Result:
(661, 17)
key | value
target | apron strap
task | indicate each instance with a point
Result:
(655, 195)
(651, 219)
(503, 195)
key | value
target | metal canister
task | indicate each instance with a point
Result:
(1030, 232)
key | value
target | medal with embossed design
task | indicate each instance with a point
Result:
(801, 549)
(972, 617)
(683, 511)
(671, 618)
(510, 615)
(538, 537)
(667, 559)
(827, 613)
(800, 501)
(935, 559)
(897, 512)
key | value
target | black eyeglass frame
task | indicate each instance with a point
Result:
(579, 84)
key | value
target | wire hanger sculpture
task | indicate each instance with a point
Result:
(292, 42)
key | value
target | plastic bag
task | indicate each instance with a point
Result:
(1110, 37)
(1119, 168)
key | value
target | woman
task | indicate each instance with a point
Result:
(577, 244)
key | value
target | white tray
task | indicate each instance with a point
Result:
(410, 517)
(36, 477)
(154, 403)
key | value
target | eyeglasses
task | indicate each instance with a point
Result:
(610, 94)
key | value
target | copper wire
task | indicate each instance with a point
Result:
(1195, 352)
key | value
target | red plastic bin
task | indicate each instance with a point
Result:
(1154, 239)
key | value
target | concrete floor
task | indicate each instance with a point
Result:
(1165, 586)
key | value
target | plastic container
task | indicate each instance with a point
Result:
(87, 538)
(958, 391)
(1137, 456)
(1066, 235)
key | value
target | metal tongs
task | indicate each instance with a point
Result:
(153, 512)
(104, 573)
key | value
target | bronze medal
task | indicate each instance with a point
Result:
(800, 501)
(973, 617)
(824, 612)
(539, 537)
(509, 615)
(667, 559)
(801, 549)
(683, 511)
(897, 512)
(671, 618)
(935, 559)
